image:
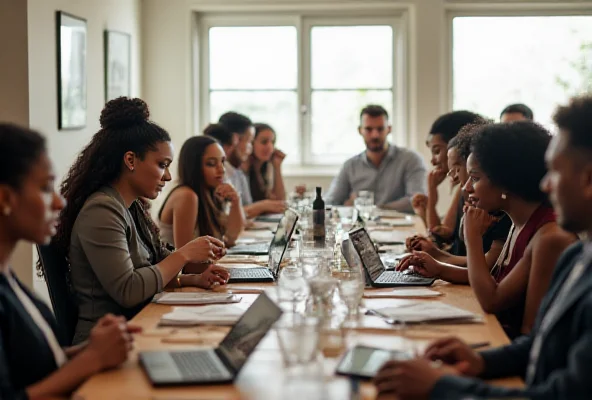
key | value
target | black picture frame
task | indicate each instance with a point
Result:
(71, 45)
(117, 64)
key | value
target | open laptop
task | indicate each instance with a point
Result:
(277, 249)
(376, 274)
(285, 224)
(219, 365)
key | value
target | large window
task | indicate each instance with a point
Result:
(540, 61)
(308, 79)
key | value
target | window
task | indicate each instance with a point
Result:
(307, 79)
(540, 61)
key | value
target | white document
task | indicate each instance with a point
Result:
(256, 235)
(402, 293)
(243, 259)
(388, 236)
(196, 298)
(206, 315)
(262, 226)
(427, 311)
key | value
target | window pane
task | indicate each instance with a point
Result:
(262, 57)
(278, 109)
(338, 63)
(494, 66)
(335, 121)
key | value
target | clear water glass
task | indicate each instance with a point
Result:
(292, 286)
(298, 339)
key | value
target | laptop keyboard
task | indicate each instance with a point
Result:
(195, 365)
(249, 273)
(398, 277)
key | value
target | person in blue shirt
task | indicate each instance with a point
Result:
(394, 174)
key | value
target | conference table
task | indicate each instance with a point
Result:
(264, 376)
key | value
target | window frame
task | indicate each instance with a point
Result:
(503, 10)
(397, 19)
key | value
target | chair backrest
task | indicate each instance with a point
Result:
(55, 270)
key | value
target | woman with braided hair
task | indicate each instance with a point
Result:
(117, 261)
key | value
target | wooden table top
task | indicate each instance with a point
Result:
(263, 377)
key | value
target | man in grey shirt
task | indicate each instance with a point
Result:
(394, 174)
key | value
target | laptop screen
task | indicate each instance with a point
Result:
(351, 255)
(367, 252)
(281, 239)
(244, 336)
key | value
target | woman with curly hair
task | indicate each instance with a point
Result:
(444, 263)
(117, 261)
(506, 166)
(197, 205)
(33, 363)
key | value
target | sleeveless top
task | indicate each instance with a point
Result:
(511, 318)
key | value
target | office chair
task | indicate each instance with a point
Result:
(55, 270)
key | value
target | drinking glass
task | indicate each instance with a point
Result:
(292, 286)
(298, 339)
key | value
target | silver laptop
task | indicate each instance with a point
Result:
(219, 365)
(277, 249)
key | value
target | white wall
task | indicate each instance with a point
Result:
(169, 48)
(121, 15)
(14, 96)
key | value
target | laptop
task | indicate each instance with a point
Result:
(363, 362)
(288, 219)
(214, 366)
(277, 249)
(376, 273)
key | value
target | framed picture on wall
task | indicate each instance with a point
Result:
(71, 70)
(117, 64)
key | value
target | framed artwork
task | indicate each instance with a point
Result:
(71, 70)
(117, 64)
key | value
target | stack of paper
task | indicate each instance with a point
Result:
(262, 226)
(243, 259)
(381, 213)
(195, 298)
(427, 311)
(207, 315)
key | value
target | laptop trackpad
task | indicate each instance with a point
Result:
(161, 367)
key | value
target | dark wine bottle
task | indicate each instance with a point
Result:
(318, 218)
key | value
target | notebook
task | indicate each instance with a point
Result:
(427, 311)
(195, 298)
(207, 315)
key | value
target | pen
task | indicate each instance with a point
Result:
(478, 345)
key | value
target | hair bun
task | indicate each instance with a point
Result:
(124, 112)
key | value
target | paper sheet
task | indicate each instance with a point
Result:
(401, 293)
(389, 236)
(427, 311)
(195, 298)
(206, 315)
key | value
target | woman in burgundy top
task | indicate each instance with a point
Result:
(505, 168)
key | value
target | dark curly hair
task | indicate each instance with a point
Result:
(576, 120)
(449, 124)
(513, 157)
(20, 148)
(462, 141)
(124, 127)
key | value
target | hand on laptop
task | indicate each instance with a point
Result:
(420, 243)
(422, 263)
(214, 275)
(457, 354)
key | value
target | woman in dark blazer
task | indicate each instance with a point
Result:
(32, 362)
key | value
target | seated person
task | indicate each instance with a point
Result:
(33, 363)
(197, 205)
(554, 358)
(442, 131)
(264, 166)
(394, 174)
(237, 152)
(117, 261)
(516, 112)
(506, 165)
(494, 238)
